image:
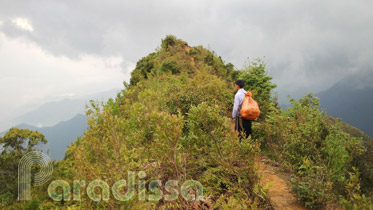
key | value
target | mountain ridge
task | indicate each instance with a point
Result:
(59, 136)
(351, 102)
(51, 113)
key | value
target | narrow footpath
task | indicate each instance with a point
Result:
(278, 192)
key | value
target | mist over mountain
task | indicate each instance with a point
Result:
(59, 136)
(52, 113)
(172, 121)
(351, 99)
(61, 122)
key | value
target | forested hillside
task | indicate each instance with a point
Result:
(173, 122)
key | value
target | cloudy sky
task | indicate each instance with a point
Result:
(52, 49)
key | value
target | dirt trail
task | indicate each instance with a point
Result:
(187, 49)
(278, 192)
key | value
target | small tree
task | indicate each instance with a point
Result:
(259, 83)
(16, 142)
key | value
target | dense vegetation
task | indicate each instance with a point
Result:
(172, 122)
(325, 160)
(15, 143)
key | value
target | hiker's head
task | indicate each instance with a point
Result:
(239, 84)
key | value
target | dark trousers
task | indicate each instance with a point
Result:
(243, 125)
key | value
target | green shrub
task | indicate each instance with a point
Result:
(312, 185)
(355, 200)
(169, 66)
(143, 67)
(259, 83)
(169, 41)
(171, 124)
(319, 154)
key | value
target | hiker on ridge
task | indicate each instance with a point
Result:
(241, 124)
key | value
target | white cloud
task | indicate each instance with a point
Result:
(308, 45)
(30, 75)
(23, 24)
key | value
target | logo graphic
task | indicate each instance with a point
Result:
(190, 190)
(30, 159)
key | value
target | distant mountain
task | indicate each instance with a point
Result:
(53, 112)
(49, 114)
(59, 136)
(61, 122)
(351, 99)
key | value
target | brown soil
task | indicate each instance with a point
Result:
(278, 192)
(194, 64)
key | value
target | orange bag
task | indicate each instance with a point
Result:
(250, 109)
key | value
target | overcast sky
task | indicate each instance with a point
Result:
(53, 49)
